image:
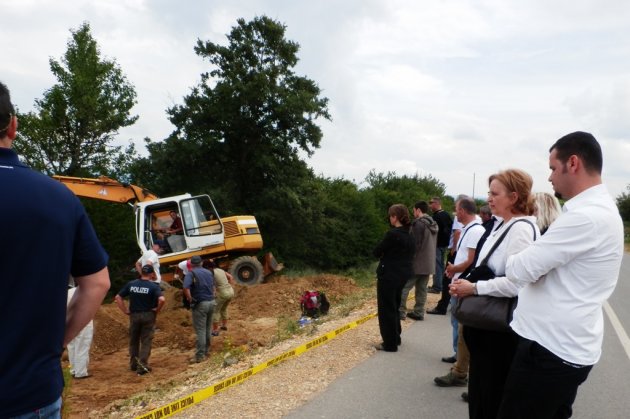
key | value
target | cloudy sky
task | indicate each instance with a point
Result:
(456, 89)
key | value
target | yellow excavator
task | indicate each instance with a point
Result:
(184, 226)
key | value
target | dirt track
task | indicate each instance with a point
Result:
(254, 316)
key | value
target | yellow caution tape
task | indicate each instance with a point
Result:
(198, 396)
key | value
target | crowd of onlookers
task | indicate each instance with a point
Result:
(521, 251)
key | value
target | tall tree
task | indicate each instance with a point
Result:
(77, 119)
(251, 114)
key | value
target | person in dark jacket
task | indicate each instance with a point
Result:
(395, 267)
(424, 231)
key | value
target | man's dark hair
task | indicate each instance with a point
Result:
(6, 109)
(467, 204)
(583, 145)
(422, 206)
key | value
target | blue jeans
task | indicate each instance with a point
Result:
(455, 324)
(439, 268)
(52, 411)
(202, 322)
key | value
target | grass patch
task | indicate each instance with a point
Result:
(365, 277)
(287, 328)
(352, 302)
(67, 385)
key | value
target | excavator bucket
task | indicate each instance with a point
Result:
(271, 265)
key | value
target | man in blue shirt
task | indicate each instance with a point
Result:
(199, 291)
(47, 238)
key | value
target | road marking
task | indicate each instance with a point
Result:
(616, 324)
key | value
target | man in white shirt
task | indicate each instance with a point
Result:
(465, 209)
(150, 257)
(569, 273)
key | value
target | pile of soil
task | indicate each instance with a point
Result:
(253, 323)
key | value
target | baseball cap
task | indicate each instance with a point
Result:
(147, 269)
(195, 260)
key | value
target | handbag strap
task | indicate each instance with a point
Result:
(500, 239)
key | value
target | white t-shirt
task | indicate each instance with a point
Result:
(151, 256)
(183, 265)
(456, 226)
(468, 239)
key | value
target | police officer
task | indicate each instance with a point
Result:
(145, 301)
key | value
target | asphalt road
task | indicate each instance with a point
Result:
(400, 385)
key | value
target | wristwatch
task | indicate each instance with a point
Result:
(475, 289)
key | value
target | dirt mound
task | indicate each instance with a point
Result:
(253, 322)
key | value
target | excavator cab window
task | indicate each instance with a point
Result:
(160, 222)
(200, 216)
(181, 224)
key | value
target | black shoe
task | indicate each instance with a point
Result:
(434, 291)
(465, 396)
(436, 311)
(414, 316)
(449, 359)
(141, 369)
(380, 347)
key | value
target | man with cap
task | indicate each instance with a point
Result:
(145, 302)
(199, 291)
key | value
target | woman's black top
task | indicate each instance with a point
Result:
(396, 252)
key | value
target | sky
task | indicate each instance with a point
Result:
(454, 89)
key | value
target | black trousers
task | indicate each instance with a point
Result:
(141, 331)
(491, 355)
(540, 385)
(445, 299)
(388, 298)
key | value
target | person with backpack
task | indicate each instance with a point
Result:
(200, 293)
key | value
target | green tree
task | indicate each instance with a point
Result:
(248, 119)
(388, 189)
(76, 120)
(623, 203)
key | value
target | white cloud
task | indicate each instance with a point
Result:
(449, 88)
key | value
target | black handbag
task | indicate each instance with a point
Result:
(484, 311)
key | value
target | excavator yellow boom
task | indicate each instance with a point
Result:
(106, 189)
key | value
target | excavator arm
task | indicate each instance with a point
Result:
(106, 189)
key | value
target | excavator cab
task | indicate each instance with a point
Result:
(179, 224)
(185, 226)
